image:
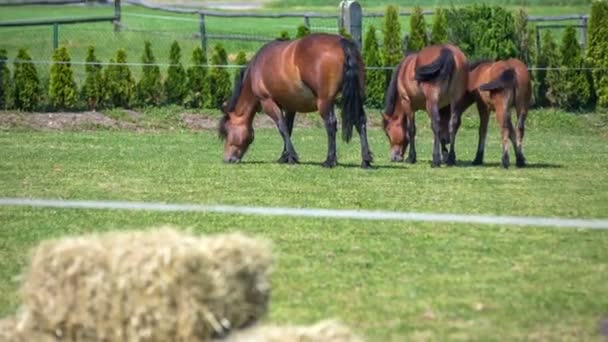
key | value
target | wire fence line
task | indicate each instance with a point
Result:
(234, 66)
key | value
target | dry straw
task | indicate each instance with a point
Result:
(324, 331)
(159, 285)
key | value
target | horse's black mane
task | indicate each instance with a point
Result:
(238, 88)
(391, 92)
(475, 64)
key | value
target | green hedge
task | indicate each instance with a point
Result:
(481, 31)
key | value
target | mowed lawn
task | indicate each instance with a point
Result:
(388, 280)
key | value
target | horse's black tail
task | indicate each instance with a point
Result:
(506, 80)
(353, 93)
(440, 69)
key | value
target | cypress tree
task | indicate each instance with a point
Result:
(597, 49)
(176, 87)
(524, 37)
(119, 83)
(375, 79)
(62, 88)
(219, 78)
(574, 88)
(418, 38)
(26, 82)
(197, 78)
(303, 31)
(439, 33)
(392, 44)
(6, 86)
(547, 80)
(149, 87)
(93, 87)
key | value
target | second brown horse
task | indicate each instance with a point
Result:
(302, 75)
(499, 86)
(434, 79)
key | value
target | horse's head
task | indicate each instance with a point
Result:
(237, 133)
(395, 128)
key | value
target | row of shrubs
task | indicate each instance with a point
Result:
(563, 75)
(114, 85)
(481, 31)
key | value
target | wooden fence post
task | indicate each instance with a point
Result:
(351, 19)
(117, 16)
(584, 31)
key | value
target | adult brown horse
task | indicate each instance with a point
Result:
(499, 86)
(302, 75)
(434, 79)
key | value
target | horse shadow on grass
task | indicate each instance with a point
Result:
(318, 164)
(469, 164)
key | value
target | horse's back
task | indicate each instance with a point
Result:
(295, 73)
(458, 79)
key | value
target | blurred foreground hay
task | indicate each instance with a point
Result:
(159, 285)
(147, 286)
(326, 331)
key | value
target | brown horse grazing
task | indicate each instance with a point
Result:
(302, 75)
(499, 86)
(433, 79)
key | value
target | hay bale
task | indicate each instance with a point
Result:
(158, 285)
(11, 332)
(324, 331)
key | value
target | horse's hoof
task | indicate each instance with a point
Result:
(292, 160)
(366, 164)
(477, 162)
(521, 162)
(435, 165)
(329, 163)
(282, 159)
(411, 160)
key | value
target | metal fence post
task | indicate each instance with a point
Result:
(55, 36)
(584, 31)
(307, 21)
(351, 18)
(537, 38)
(203, 31)
(117, 16)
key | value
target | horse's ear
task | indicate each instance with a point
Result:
(385, 117)
(224, 107)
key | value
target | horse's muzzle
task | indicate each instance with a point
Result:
(396, 157)
(232, 160)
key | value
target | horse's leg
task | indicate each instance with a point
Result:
(522, 113)
(431, 107)
(456, 114)
(504, 121)
(444, 135)
(289, 119)
(484, 118)
(326, 109)
(366, 155)
(272, 109)
(411, 127)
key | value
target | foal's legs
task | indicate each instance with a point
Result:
(522, 113)
(272, 109)
(289, 119)
(484, 118)
(326, 109)
(503, 116)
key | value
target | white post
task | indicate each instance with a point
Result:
(351, 18)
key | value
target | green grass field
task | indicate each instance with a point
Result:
(389, 280)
